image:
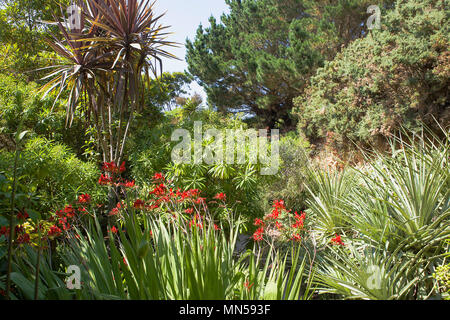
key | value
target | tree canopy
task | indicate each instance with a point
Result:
(263, 53)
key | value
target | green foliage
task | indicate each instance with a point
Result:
(22, 34)
(289, 183)
(395, 76)
(256, 59)
(20, 103)
(171, 262)
(262, 53)
(442, 275)
(150, 151)
(54, 173)
(363, 272)
(164, 91)
(398, 206)
(328, 193)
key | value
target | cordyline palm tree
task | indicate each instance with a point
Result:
(109, 55)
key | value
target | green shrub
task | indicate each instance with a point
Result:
(395, 76)
(289, 183)
(150, 151)
(21, 104)
(53, 172)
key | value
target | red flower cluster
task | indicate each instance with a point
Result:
(299, 220)
(220, 196)
(128, 184)
(258, 235)
(279, 204)
(279, 220)
(247, 285)
(112, 167)
(274, 215)
(258, 222)
(54, 231)
(111, 175)
(158, 176)
(337, 240)
(4, 231)
(22, 215)
(84, 198)
(159, 190)
(104, 180)
(139, 204)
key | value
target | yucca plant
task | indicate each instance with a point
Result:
(271, 277)
(328, 191)
(398, 204)
(359, 271)
(405, 195)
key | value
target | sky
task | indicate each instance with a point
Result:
(184, 17)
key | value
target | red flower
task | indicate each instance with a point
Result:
(200, 200)
(247, 285)
(111, 167)
(139, 204)
(23, 238)
(83, 210)
(158, 176)
(104, 180)
(193, 192)
(129, 184)
(189, 211)
(279, 204)
(159, 190)
(4, 231)
(122, 167)
(278, 225)
(296, 237)
(84, 198)
(114, 212)
(220, 196)
(22, 215)
(69, 211)
(337, 240)
(274, 215)
(54, 231)
(216, 227)
(258, 222)
(258, 235)
(114, 229)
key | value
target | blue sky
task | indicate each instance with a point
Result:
(184, 17)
